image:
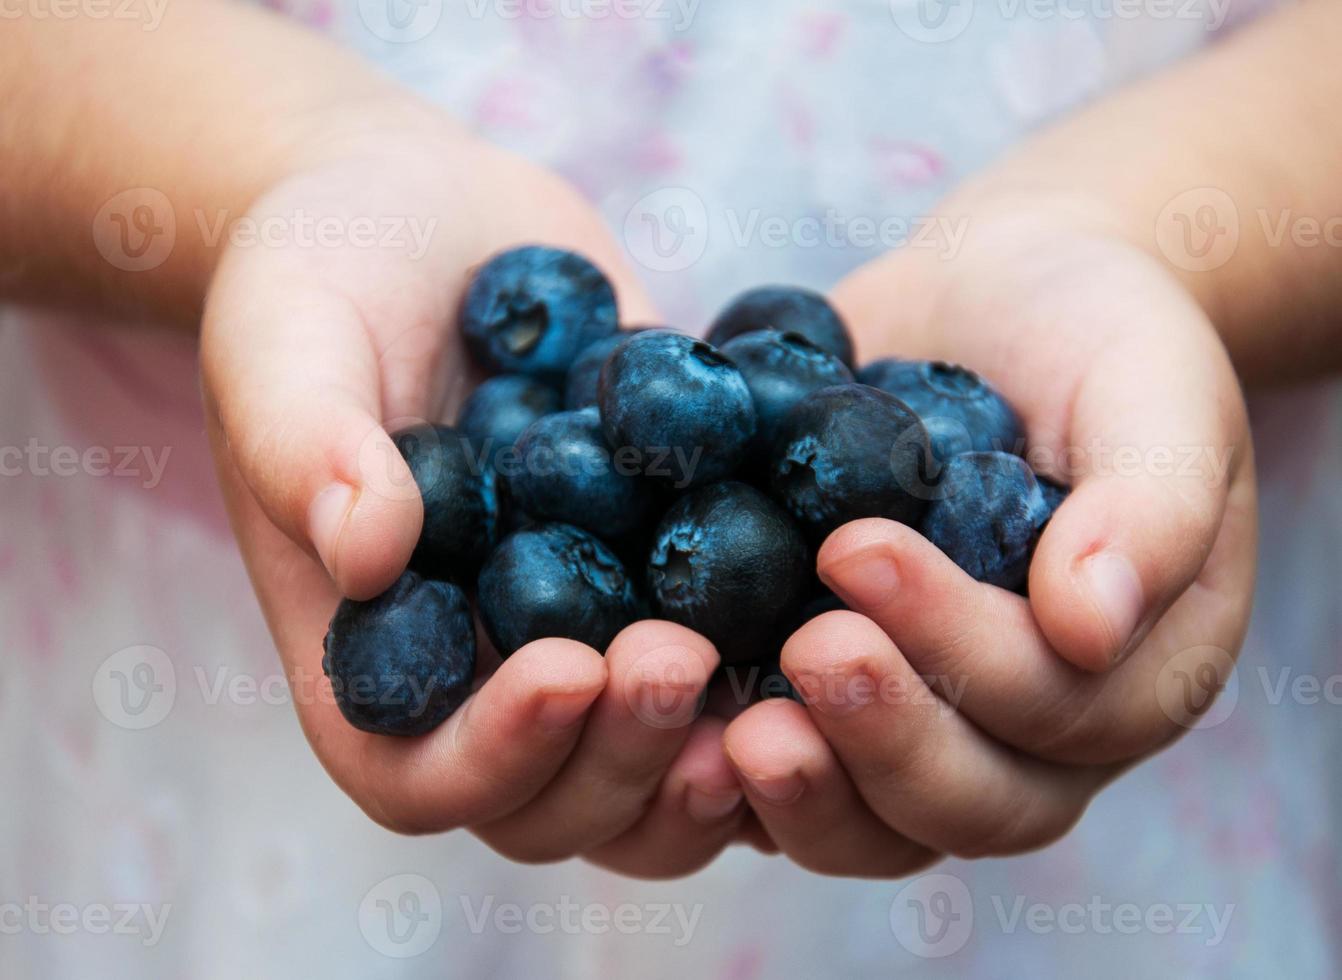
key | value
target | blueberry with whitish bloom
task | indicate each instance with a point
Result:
(730, 564)
(554, 580)
(563, 471)
(531, 310)
(402, 662)
(501, 408)
(962, 412)
(780, 370)
(680, 403)
(787, 309)
(583, 374)
(988, 517)
(460, 505)
(848, 452)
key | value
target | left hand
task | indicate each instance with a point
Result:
(947, 716)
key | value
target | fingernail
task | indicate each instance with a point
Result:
(706, 807)
(1118, 593)
(867, 578)
(561, 711)
(778, 790)
(326, 516)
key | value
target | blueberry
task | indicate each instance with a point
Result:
(729, 563)
(533, 309)
(564, 472)
(1054, 493)
(460, 506)
(679, 404)
(988, 517)
(554, 580)
(501, 409)
(780, 370)
(750, 682)
(962, 412)
(401, 663)
(786, 309)
(847, 452)
(580, 388)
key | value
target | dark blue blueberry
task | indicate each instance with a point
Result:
(988, 517)
(501, 409)
(847, 452)
(680, 404)
(580, 389)
(564, 472)
(729, 563)
(533, 309)
(554, 580)
(460, 506)
(780, 370)
(738, 685)
(962, 412)
(1054, 493)
(401, 663)
(787, 309)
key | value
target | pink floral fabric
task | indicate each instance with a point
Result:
(154, 769)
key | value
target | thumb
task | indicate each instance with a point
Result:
(291, 376)
(1158, 438)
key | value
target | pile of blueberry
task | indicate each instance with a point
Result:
(608, 474)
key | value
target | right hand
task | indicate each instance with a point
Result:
(309, 355)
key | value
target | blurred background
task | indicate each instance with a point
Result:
(162, 815)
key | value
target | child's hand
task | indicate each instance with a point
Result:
(312, 348)
(1139, 591)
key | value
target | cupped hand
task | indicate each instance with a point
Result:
(947, 716)
(330, 321)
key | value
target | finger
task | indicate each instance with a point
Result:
(496, 752)
(805, 800)
(977, 646)
(696, 813)
(292, 377)
(982, 651)
(1140, 412)
(922, 768)
(657, 674)
(752, 833)
(1149, 494)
